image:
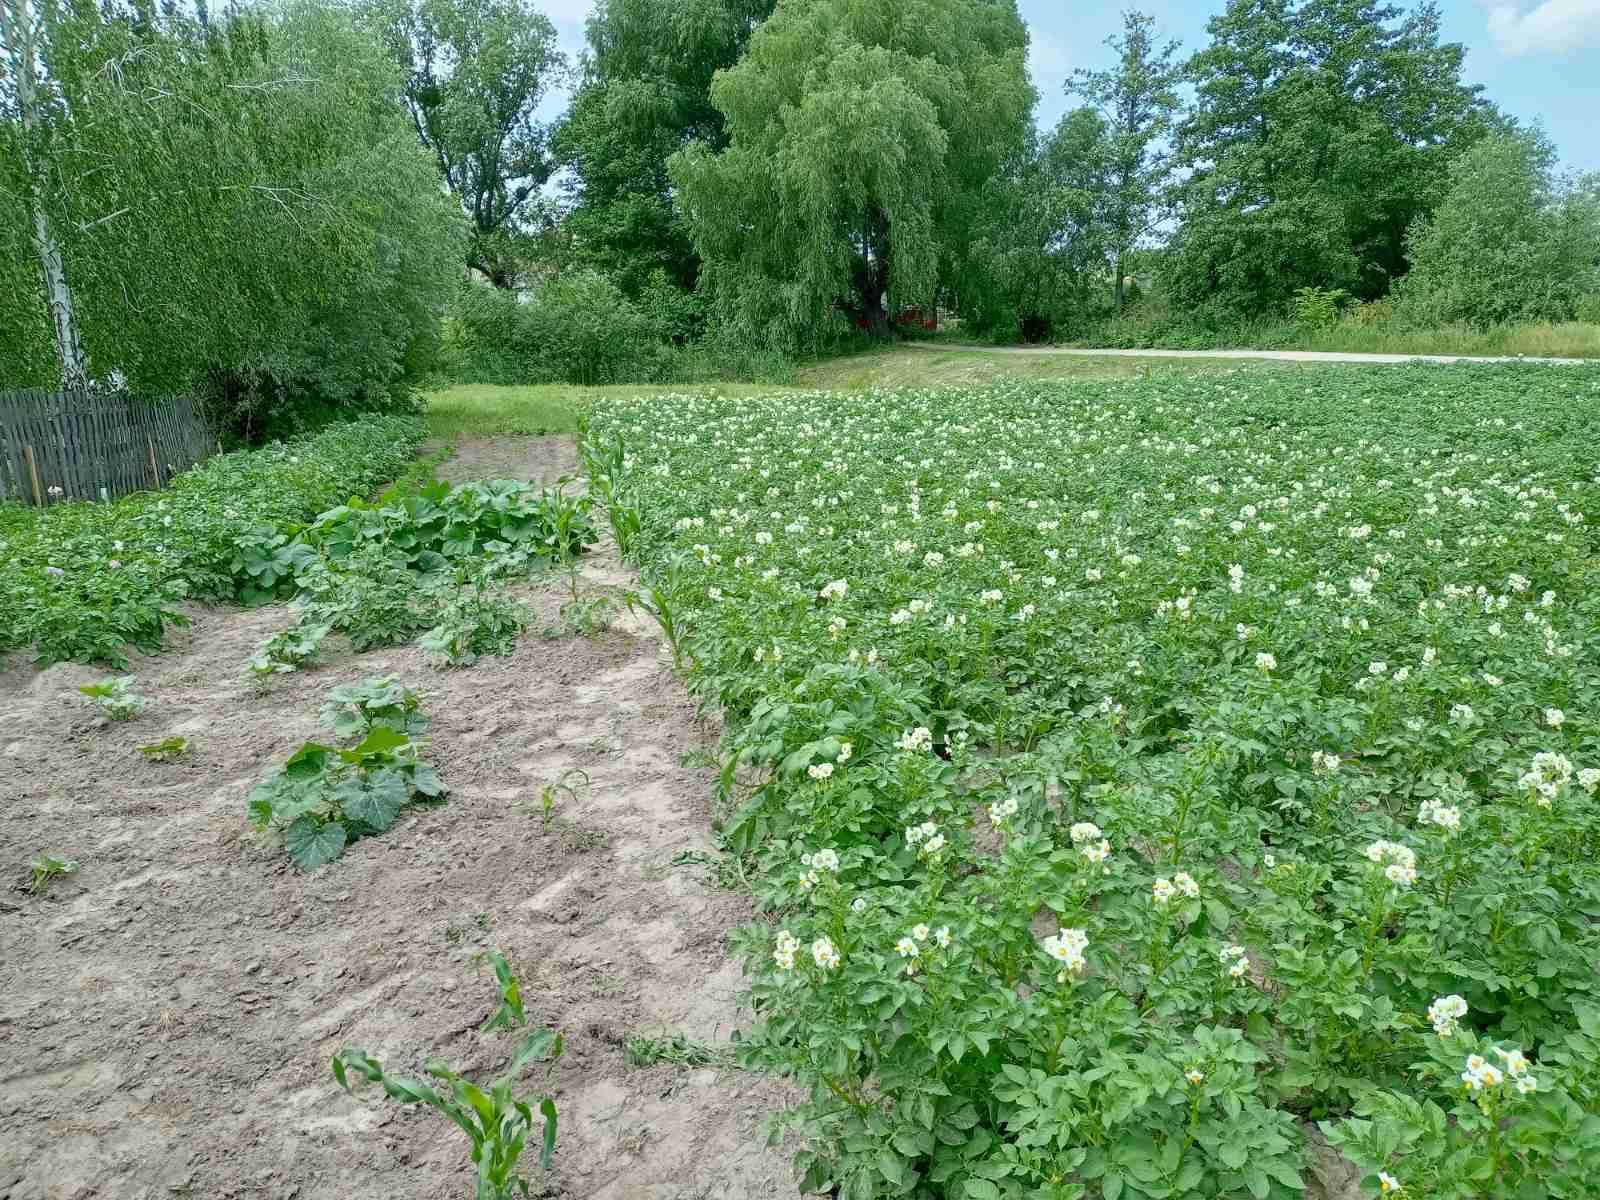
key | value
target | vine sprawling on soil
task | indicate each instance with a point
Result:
(1148, 774)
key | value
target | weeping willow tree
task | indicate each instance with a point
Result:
(236, 208)
(859, 138)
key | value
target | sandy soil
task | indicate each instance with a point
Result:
(168, 1013)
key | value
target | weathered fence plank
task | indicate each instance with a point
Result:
(80, 446)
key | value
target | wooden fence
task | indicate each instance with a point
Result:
(58, 446)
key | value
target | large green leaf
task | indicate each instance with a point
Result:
(375, 801)
(312, 843)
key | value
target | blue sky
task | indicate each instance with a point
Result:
(1537, 59)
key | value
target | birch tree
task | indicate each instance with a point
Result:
(22, 39)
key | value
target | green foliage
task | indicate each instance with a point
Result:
(46, 869)
(510, 1014)
(116, 698)
(645, 92)
(1041, 243)
(1320, 131)
(858, 143)
(475, 73)
(1509, 242)
(1318, 307)
(166, 749)
(1117, 821)
(577, 327)
(83, 581)
(471, 625)
(356, 709)
(241, 209)
(288, 650)
(324, 797)
(497, 1123)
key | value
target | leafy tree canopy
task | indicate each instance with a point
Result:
(1041, 249)
(1320, 130)
(1510, 241)
(644, 95)
(475, 72)
(239, 208)
(860, 137)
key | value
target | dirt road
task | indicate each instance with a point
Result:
(1296, 356)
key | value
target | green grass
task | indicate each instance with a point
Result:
(483, 410)
(914, 366)
(1571, 339)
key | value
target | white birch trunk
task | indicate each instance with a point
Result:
(19, 32)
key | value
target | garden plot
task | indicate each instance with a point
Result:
(1157, 780)
(169, 1011)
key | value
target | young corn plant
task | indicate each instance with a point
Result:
(116, 698)
(497, 1122)
(510, 1014)
(658, 603)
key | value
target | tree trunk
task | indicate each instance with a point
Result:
(19, 32)
(1119, 279)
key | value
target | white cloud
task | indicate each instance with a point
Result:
(1550, 27)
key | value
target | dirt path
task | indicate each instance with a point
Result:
(168, 1013)
(1298, 356)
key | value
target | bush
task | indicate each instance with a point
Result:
(576, 328)
(1508, 243)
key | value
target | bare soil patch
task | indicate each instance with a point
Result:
(168, 1013)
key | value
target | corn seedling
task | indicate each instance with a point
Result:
(656, 602)
(47, 868)
(497, 1122)
(510, 1014)
(165, 749)
(566, 785)
(116, 697)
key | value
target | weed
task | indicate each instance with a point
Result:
(497, 1122)
(581, 839)
(116, 698)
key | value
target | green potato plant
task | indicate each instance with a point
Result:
(1134, 773)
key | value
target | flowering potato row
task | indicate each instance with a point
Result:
(1151, 776)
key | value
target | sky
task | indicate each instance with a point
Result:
(1537, 59)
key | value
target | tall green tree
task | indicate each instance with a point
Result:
(240, 209)
(644, 94)
(1320, 131)
(1038, 255)
(475, 73)
(1139, 101)
(860, 135)
(1510, 241)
